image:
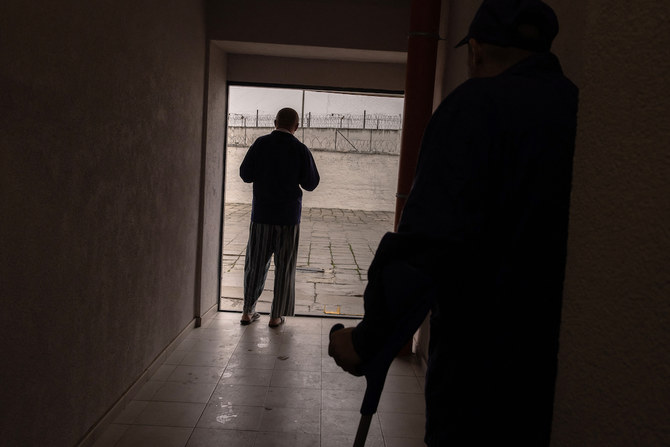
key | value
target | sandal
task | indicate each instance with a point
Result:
(281, 321)
(253, 317)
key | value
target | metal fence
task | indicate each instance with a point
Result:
(363, 141)
(322, 121)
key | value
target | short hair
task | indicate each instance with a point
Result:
(286, 118)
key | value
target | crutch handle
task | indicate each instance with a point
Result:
(336, 327)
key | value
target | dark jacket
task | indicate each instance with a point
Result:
(487, 217)
(278, 164)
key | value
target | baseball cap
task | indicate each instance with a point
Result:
(527, 24)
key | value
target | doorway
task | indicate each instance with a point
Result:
(355, 140)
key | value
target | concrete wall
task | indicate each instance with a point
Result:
(348, 181)
(101, 141)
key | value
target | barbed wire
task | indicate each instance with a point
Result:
(364, 141)
(323, 121)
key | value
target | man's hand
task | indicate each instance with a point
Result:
(341, 348)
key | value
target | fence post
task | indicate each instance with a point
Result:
(309, 118)
(364, 113)
(256, 117)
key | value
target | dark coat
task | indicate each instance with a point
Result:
(278, 164)
(486, 222)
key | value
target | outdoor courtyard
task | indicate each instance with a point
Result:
(336, 249)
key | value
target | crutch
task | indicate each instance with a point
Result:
(375, 369)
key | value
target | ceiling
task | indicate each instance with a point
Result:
(311, 52)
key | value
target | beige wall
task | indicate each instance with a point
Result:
(211, 193)
(613, 384)
(315, 72)
(363, 24)
(103, 185)
(102, 108)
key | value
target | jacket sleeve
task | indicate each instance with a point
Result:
(400, 292)
(309, 178)
(247, 168)
(427, 252)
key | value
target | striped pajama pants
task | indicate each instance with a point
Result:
(264, 241)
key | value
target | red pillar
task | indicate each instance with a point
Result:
(419, 84)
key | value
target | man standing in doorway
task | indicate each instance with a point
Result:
(483, 239)
(278, 165)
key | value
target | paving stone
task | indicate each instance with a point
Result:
(336, 249)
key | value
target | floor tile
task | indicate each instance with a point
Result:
(342, 381)
(180, 392)
(301, 326)
(341, 400)
(171, 414)
(218, 333)
(263, 335)
(187, 344)
(301, 420)
(163, 372)
(255, 386)
(274, 439)
(231, 417)
(226, 343)
(208, 437)
(242, 376)
(399, 425)
(252, 361)
(249, 395)
(403, 366)
(339, 440)
(293, 398)
(402, 403)
(110, 437)
(291, 349)
(202, 358)
(298, 362)
(131, 412)
(143, 436)
(263, 346)
(298, 338)
(343, 422)
(176, 357)
(296, 379)
(149, 389)
(196, 374)
(402, 384)
(329, 365)
(403, 442)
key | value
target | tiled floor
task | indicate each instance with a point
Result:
(232, 385)
(335, 252)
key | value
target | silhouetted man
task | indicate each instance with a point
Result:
(485, 227)
(278, 164)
